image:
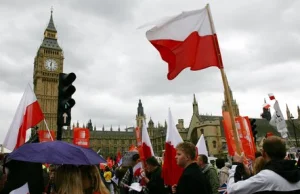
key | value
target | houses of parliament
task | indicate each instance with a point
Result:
(49, 62)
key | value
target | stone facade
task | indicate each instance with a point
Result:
(109, 141)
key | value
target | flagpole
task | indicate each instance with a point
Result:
(225, 82)
(48, 129)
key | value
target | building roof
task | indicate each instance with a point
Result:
(50, 44)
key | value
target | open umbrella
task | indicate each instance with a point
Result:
(56, 152)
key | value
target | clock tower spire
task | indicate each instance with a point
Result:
(48, 63)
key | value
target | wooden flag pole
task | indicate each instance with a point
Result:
(48, 129)
(225, 82)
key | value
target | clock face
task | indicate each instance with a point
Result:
(51, 65)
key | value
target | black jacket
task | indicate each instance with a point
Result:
(192, 181)
(156, 182)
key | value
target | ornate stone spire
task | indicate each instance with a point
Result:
(195, 106)
(51, 26)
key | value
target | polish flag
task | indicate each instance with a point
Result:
(271, 96)
(186, 40)
(171, 171)
(146, 143)
(201, 146)
(137, 169)
(28, 115)
(266, 106)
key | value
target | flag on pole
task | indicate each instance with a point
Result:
(266, 106)
(278, 121)
(137, 169)
(28, 115)
(201, 146)
(171, 171)
(146, 143)
(271, 96)
(186, 40)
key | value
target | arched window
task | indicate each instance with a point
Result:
(214, 144)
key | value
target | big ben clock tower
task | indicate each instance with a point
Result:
(48, 63)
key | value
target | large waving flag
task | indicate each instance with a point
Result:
(278, 121)
(27, 115)
(186, 40)
(201, 146)
(171, 171)
(146, 143)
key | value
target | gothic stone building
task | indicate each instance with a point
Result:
(109, 142)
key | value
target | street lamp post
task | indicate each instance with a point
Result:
(294, 128)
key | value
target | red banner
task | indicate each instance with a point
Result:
(44, 135)
(246, 137)
(139, 142)
(230, 135)
(81, 137)
(138, 136)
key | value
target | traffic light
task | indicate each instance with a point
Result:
(253, 128)
(65, 101)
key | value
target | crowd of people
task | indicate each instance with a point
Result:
(271, 172)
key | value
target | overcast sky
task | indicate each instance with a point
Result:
(116, 65)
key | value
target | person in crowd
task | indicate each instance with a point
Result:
(50, 188)
(223, 171)
(154, 184)
(91, 180)
(277, 176)
(68, 180)
(257, 154)
(120, 172)
(210, 173)
(46, 177)
(18, 173)
(129, 177)
(258, 165)
(108, 177)
(192, 180)
(2, 178)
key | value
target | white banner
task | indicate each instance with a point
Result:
(278, 121)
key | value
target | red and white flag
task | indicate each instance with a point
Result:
(28, 115)
(146, 143)
(186, 40)
(266, 106)
(171, 171)
(271, 96)
(137, 169)
(201, 146)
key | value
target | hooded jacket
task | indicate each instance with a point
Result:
(211, 175)
(278, 176)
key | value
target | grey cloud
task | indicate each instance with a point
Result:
(116, 65)
(113, 10)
